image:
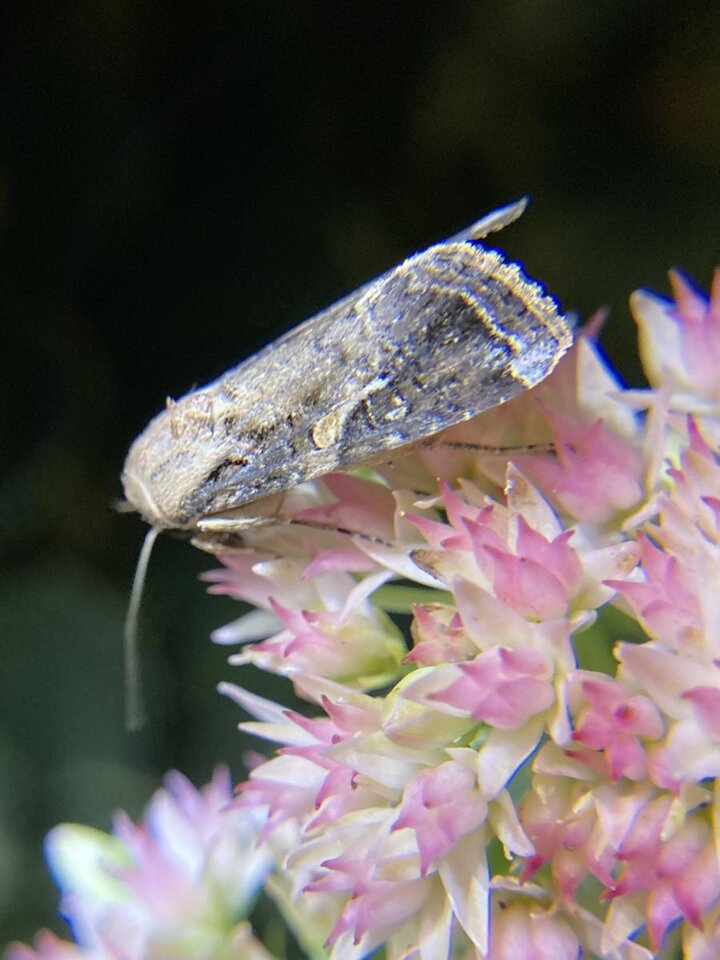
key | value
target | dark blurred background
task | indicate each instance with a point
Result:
(181, 182)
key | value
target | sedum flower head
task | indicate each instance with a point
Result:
(179, 884)
(508, 644)
(537, 777)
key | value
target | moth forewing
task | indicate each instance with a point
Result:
(491, 222)
(449, 333)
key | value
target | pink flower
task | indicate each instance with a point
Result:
(180, 883)
(441, 805)
(537, 578)
(666, 603)
(680, 342)
(377, 901)
(594, 475)
(523, 930)
(680, 875)
(609, 718)
(439, 636)
(503, 688)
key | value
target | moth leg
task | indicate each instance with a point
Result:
(218, 533)
(523, 448)
(332, 528)
(222, 525)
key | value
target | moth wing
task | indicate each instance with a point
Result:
(457, 330)
(453, 331)
(491, 222)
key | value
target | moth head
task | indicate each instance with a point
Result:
(140, 498)
(168, 460)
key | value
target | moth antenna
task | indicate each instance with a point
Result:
(134, 708)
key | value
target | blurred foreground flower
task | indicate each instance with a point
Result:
(536, 777)
(180, 884)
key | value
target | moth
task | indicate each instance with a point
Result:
(451, 332)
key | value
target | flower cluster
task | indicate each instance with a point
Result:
(180, 884)
(534, 774)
